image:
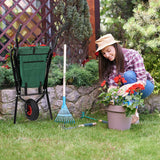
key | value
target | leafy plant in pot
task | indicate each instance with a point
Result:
(116, 102)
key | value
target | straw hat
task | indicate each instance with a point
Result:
(105, 41)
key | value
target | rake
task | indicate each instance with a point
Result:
(64, 115)
(99, 120)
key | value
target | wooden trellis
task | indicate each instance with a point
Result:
(40, 25)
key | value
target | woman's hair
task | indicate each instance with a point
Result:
(106, 66)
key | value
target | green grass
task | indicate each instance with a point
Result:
(47, 140)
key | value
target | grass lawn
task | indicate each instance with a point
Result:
(47, 140)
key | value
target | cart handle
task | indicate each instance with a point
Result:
(17, 34)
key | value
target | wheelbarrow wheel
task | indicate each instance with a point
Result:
(31, 109)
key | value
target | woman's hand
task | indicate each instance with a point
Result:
(122, 90)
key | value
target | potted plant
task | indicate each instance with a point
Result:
(120, 108)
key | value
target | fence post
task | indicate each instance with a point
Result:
(95, 23)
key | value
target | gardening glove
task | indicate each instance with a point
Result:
(122, 90)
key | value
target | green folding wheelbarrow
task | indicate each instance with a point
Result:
(30, 67)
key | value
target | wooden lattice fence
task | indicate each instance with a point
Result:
(39, 25)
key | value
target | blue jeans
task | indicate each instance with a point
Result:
(130, 77)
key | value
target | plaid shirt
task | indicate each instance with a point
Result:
(132, 61)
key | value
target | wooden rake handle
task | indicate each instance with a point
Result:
(64, 70)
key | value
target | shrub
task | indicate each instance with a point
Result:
(74, 14)
(7, 79)
(152, 62)
(78, 76)
(55, 77)
(83, 76)
(56, 71)
(142, 30)
(75, 74)
(114, 14)
(2, 76)
(92, 67)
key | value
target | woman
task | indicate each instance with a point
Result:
(115, 60)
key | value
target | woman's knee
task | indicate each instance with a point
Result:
(148, 89)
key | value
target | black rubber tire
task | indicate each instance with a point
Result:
(31, 109)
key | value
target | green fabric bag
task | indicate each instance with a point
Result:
(32, 64)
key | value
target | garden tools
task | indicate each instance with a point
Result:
(64, 115)
(83, 125)
(99, 120)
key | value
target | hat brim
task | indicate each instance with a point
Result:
(105, 45)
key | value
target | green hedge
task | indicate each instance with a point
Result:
(75, 75)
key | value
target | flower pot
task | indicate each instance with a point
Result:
(117, 118)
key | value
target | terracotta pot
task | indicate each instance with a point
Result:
(117, 118)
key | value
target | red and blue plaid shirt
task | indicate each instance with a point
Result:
(132, 61)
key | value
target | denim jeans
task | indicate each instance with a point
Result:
(130, 77)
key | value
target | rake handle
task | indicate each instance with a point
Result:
(64, 71)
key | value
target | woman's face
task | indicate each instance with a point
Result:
(109, 53)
